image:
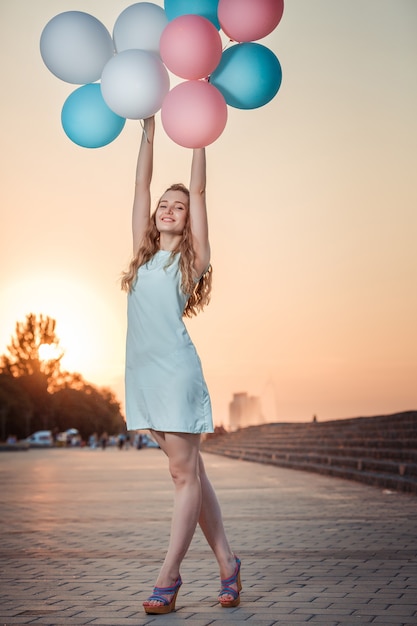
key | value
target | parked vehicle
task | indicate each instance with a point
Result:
(69, 437)
(40, 439)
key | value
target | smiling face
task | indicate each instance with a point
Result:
(172, 212)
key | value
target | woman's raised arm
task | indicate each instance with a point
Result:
(198, 211)
(142, 198)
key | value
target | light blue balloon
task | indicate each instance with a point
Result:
(205, 8)
(87, 120)
(248, 75)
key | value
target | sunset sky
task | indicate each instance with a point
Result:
(312, 205)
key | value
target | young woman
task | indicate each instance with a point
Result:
(168, 278)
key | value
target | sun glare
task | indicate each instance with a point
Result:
(49, 352)
(83, 322)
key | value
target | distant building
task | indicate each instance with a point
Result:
(244, 411)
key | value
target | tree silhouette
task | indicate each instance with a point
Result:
(16, 408)
(35, 394)
(88, 409)
(23, 358)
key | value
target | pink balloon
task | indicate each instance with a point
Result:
(194, 114)
(190, 46)
(249, 20)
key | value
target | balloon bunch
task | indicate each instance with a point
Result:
(133, 65)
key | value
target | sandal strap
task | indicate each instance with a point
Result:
(167, 590)
(233, 578)
(229, 591)
(158, 598)
(159, 593)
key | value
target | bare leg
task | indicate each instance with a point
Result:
(211, 523)
(195, 501)
(182, 450)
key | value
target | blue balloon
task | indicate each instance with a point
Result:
(248, 75)
(87, 120)
(205, 8)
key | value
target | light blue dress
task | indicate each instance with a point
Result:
(164, 382)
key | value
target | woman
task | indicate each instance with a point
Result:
(168, 278)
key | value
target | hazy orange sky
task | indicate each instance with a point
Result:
(313, 215)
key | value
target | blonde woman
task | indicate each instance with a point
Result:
(169, 278)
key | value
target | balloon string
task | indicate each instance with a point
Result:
(207, 79)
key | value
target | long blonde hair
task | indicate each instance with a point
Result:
(199, 292)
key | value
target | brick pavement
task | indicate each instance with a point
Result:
(83, 533)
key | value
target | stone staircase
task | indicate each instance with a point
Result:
(380, 451)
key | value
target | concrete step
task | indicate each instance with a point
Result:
(379, 451)
(385, 480)
(394, 454)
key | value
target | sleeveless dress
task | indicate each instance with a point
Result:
(164, 383)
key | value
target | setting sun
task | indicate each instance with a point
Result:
(83, 322)
(49, 352)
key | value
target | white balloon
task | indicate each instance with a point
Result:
(140, 27)
(75, 46)
(134, 84)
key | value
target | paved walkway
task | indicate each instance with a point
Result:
(83, 533)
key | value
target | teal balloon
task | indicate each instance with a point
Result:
(249, 75)
(87, 120)
(205, 8)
